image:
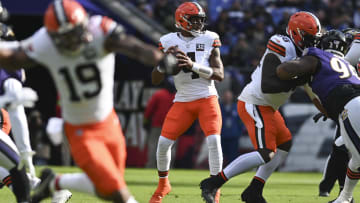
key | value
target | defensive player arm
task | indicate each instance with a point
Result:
(314, 98)
(119, 41)
(296, 68)
(13, 57)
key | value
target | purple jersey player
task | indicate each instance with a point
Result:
(337, 84)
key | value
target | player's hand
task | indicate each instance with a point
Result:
(172, 50)
(318, 116)
(183, 60)
(26, 97)
(26, 160)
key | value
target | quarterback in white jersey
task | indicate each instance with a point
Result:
(189, 85)
(199, 64)
(77, 50)
(258, 109)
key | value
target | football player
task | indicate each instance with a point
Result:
(258, 109)
(78, 52)
(337, 84)
(198, 54)
(336, 165)
(12, 95)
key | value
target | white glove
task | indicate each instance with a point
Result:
(26, 97)
(54, 130)
(26, 160)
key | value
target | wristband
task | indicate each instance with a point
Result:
(203, 71)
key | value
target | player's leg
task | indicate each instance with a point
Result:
(336, 166)
(349, 121)
(5, 179)
(117, 146)
(9, 159)
(152, 141)
(90, 149)
(252, 118)
(210, 122)
(283, 142)
(177, 121)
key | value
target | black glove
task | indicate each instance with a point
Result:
(318, 116)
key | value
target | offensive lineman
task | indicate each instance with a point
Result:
(258, 109)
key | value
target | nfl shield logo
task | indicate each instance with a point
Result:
(200, 47)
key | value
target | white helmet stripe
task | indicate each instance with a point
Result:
(60, 12)
(317, 22)
(201, 11)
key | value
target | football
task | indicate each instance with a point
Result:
(174, 69)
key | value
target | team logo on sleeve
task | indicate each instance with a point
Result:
(200, 47)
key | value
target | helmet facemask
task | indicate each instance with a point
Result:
(190, 17)
(66, 22)
(73, 41)
(304, 29)
(335, 42)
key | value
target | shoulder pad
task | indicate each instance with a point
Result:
(168, 36)
(106, 24)
(280, 44)
(213, 37)
(210, 34)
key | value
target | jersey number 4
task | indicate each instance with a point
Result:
(194, 75)
(85, 74)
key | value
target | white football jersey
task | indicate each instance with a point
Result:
(189, 85)
(285, 50)
(353, 55)
(84, 83)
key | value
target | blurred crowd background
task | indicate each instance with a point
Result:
(244, 26)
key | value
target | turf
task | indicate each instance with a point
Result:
(281, 187)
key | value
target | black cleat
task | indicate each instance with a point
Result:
(209, 188)
(251, 195)
(324, 194)
(42, 191)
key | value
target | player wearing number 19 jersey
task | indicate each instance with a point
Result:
(196, 97)
(78, 52)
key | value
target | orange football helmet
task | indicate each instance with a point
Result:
(303, 28)
(190, 16)
(66, 22)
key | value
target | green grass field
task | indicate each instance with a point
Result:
(281, 187)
